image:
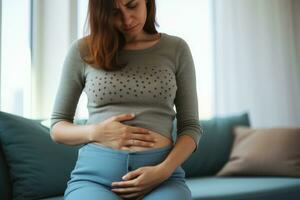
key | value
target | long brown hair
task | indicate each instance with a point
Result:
(104, 41)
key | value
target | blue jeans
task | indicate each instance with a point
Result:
(98, 166)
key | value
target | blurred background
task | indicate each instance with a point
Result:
(246, 54)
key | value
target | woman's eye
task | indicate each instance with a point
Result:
(132, 6)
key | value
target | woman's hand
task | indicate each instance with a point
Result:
(141, 181)
(116, 135)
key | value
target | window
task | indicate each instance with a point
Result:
(193, 23)
(81, 111)
(15, 57)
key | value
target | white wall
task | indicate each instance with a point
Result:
(15, 57)
(0, 42)
(192, 21)
(296, 12)
(54, 28)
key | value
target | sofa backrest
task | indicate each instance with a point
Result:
(5, 186)
(38, 167)
(214, 146)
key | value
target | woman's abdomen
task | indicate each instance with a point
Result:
(162, 141)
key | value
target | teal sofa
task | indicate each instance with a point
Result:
(33, 167)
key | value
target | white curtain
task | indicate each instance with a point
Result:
(256, 60)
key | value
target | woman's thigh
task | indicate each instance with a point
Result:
(170, 190)
(89, 190)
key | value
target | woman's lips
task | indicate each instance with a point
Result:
(130, 29)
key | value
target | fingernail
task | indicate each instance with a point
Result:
(132, 114)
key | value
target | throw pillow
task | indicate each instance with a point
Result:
(264, 152)
(38, 167)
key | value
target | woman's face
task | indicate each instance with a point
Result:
(130, 17)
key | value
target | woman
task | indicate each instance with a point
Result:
(125, 66)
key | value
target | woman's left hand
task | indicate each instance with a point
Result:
(139, 182)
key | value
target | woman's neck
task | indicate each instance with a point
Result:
(141, 42)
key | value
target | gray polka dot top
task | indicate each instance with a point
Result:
(154, 81)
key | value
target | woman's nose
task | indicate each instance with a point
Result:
(127, 19)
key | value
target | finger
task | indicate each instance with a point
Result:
(135, 194)
(133, 142)
(130, 183)
(123, 117)
(128, 142)
(139, 194)
(139, 130)
(143, 137)
(126, 190)
(132, 174)
(125, 148)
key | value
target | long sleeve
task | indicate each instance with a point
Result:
(70, 86)
(186, 101)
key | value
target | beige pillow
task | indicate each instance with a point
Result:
(264, 152)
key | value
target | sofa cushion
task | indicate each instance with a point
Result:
(5, 187)
(214, 146)
(244, 188)
(38, 167)
(54, 198)
(264, 152)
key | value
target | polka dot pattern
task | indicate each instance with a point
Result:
(132, 83)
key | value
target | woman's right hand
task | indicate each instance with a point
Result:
(116, 135)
